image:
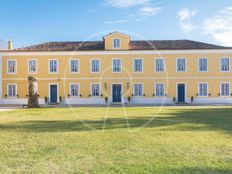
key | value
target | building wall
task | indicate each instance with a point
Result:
(127, 78)
(123, 38)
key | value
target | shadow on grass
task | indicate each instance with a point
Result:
(181, 119)
(200, 171)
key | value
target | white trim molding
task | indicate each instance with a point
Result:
(7, 64)
(28, 66)
(121, 65)
(91, 63)
(57, 68)
(141, 65)
(78, 66)
(16, 90)
(49, 91)
(1, 76)
(127, 52)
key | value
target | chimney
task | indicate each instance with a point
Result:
(10, 45)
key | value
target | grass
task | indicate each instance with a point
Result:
(116, 140)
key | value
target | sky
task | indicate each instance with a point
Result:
(29, 22)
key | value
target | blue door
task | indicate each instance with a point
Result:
(181, 93)
(53, 93)
(117, 93)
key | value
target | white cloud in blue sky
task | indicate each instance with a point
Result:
(32, 22)
(185, 20)
(219, 26)
(126, 3)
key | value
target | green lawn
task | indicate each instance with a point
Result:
(116, 140)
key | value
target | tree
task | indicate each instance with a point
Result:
(33, 101)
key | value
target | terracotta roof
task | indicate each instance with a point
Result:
(134, 45)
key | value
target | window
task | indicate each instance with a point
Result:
(225, 64)
(95, 65)
(181, 65)
(11, 90)
(138, 65)
(116, 43)
(53, 66)
(159, 65)
(117, 65)
(32, 66)
(159, 89)
(203, 64)
(138, 90)
(225, 89)
(11, 66)
(74, 90)
(203, 89)
(74, 66)
(95, 90)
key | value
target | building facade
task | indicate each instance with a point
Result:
(118, 70)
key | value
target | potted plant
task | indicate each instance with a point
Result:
(192, 99)
(5, 95)
(61, 100)
(106, 100)
(80, 95)
(46, 99)
(129, 99)
(174, 99)
(17, 96)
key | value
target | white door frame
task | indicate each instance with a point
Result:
(49, 91)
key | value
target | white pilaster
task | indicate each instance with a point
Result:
(0, 77)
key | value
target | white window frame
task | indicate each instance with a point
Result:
(16, 67)
(199, 70)
(70, 66)
(134, 65)
(134, 89)
(28, 66)
(91, 88)
(49, 91)
(185, 65)
(221, 89)
(91, 63)
(155, 68)
(57, 72)
(70, 90)
(113, 65)
(155, 92)
(199, 92)
(221, 64)
(119, 43)
(16, 90)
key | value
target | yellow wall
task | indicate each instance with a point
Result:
(123, 38)
(149, 77)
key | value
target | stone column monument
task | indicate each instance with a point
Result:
(33, 101)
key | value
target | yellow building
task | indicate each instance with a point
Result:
(118, 70)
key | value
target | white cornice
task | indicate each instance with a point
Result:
(130, 52)
(123, 78)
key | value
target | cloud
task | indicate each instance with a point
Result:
(120, 21)
(149, 11)
(219, 27)
(185, 20)
(187, 27)
(142, 10)
(126, 3)
(185, 14)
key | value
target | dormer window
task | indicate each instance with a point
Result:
(116, 43)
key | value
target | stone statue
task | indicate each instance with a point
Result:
(33, 101)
